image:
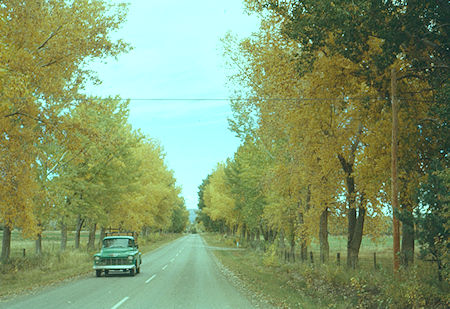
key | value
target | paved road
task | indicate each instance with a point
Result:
(181, 274)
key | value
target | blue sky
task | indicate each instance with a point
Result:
(177, 55)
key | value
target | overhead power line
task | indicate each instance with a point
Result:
(233, 99)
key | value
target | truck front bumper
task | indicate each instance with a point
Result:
(114, 267)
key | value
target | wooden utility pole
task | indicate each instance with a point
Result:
(394, 169)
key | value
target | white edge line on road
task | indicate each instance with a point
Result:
(165, 267)
(172, 260)
(120, 303)
(151, 278)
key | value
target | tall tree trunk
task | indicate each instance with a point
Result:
(407, 250)
(354, 243)
(91, 239)
(80, 223)
(303, 251)
(292, 243)
(281, 240)
(265, 232)
(6, 244)
(351, 258)
(355, 222)
(323, 236)
(103, 233)
(303, 242)
(63, 227)
(63, 235)
(39, 244)
(243, 230)
(394, 173)
(273, 235)
(303, 235)
(144, 232)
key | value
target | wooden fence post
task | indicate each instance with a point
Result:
(312, 257)
(338, 258)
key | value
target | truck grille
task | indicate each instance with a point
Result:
(115, 261)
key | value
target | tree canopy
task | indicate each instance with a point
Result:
(68, 159)
(312, 93)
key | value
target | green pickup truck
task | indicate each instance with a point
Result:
(120, 252)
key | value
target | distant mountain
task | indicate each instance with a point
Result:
(192, 214)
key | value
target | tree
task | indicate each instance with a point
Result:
(154, 197)
(180, 218)
(353, 36)
(245, 177)
(203, 217)
(433, 217)
(99, 168)
(44, 48)
(416, 29)
(219, 202)
(321, 136)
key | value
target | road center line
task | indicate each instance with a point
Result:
(165, 267)
(150, 279)
(172, 260)
(120, 303)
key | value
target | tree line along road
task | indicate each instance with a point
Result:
(182, 274)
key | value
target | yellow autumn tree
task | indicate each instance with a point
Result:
(153, 196)
(322, 118)
(219, 203)
(44, 46)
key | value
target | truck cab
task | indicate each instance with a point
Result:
(120, 252)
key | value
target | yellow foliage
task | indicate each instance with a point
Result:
(313, 122)
(219, 204)
(43, 49)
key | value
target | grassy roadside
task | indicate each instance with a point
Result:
(273, 284)
(302, 285)
(24, 274)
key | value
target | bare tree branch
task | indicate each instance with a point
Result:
(49, 64)
(53, 34)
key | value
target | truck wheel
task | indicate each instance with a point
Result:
(132, 272)
(98, 272)
(106, 273)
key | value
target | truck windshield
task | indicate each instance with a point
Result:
(117, 243)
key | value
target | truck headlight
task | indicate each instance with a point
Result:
(97, 258)
(130, 258)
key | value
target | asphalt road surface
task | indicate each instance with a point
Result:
(181, 274)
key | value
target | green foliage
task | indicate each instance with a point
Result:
(203, 217)
(417, 29)
(271, 256)
(433, 218)
(180, 219)
(245, 176)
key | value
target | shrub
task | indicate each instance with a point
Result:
(271, 256)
